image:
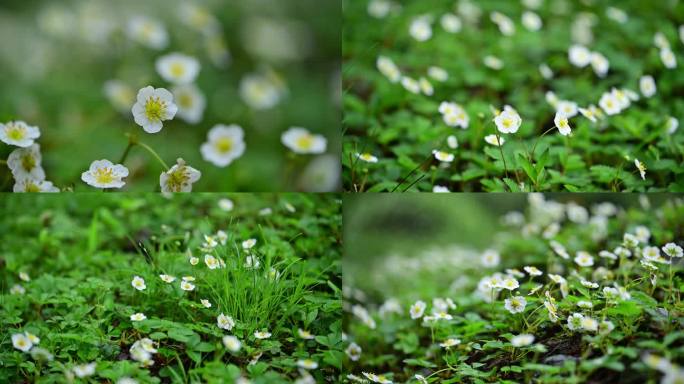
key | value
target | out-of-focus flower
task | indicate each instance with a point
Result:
(225, 144)
(120, 94)
(190, 101)
(262, 90)
(148, 32)
(300, 140)
(178, 68)
(18, 133)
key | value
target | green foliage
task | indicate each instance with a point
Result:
(82, 252)
(402, 129)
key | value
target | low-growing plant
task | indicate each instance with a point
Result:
(566, 294)
(106, 288)
(512, 96)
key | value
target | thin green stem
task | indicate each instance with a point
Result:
(503, 158)
(534, 147)
(153, 153)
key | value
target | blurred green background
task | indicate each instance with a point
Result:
(380, 226)
(56, 57)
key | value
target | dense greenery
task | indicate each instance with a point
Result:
(628, 304)
(401, 125)
(67, 275)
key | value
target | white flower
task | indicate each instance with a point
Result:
(307, 364)
(226, 205)
(105, 174)
(515, 304)
(584, 259)
(410, 84)
(561, 122)
(508, 121)
(152, 107)
(262, 90)
(505, 24)
(494, 140)
(41, 354)
(306, 335)
(579, 56)
(17, 290)
(672, 125)
(545, 71)
(510, 283)
(600, 64)
(610, 293)
(673, 250)
(590, 113)
(379, 8)
(211, 262)
(440, 189)
(24, 163)
(138, 283)
(249, 243)
(448, 343)
(438, 73)
(300, 140)
(179, 178)
(138, 317)
(425, 86)
(232, 343)
(18, 133)
(585, 304)
(575, 321)
(353, 351)
(641, 167)
(531, 21)
(187, 285)
(21, 342)
(28, 184)
(85, 370)
(126, 380)
(589, 324)
(452, 142)
(454, 115)
(190, 102)
(224, 144)
(450, 22)
(668, 58)
(225, 322)
(522, 340)
(642, 233)
(205, 303)
(167, 278)
(493, 62)
(252, 262)
(148, 32)
(609, 104)
(420, 29)
(647, 85)
(198, 18)
(533, 271)
(262, 334)
(194, 260)
(443, 156)
(367, 157)
(387, 67)
(567, 108)
(24, 276)
(120, 94)
(605, 327)
(490, 258)
(651, 253)
(178, 68)
(417, 309)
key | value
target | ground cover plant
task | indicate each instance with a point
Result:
(125, 289)
(561, 292)
(529, 95)
(170, 95)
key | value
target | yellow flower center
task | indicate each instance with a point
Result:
(31, 187)
(366, 156)
(15, 132)
(224, 144)
(563, 123)
(305, 141)
(609, 104)
(177, 179)
(507, 122)
(28, 162)
(185, 100)
(105, 176)
(154, 109)
(177, 69)
(21, 343)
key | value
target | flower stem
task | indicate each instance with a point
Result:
(537, 141)
(153, 153)
(503, 158)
